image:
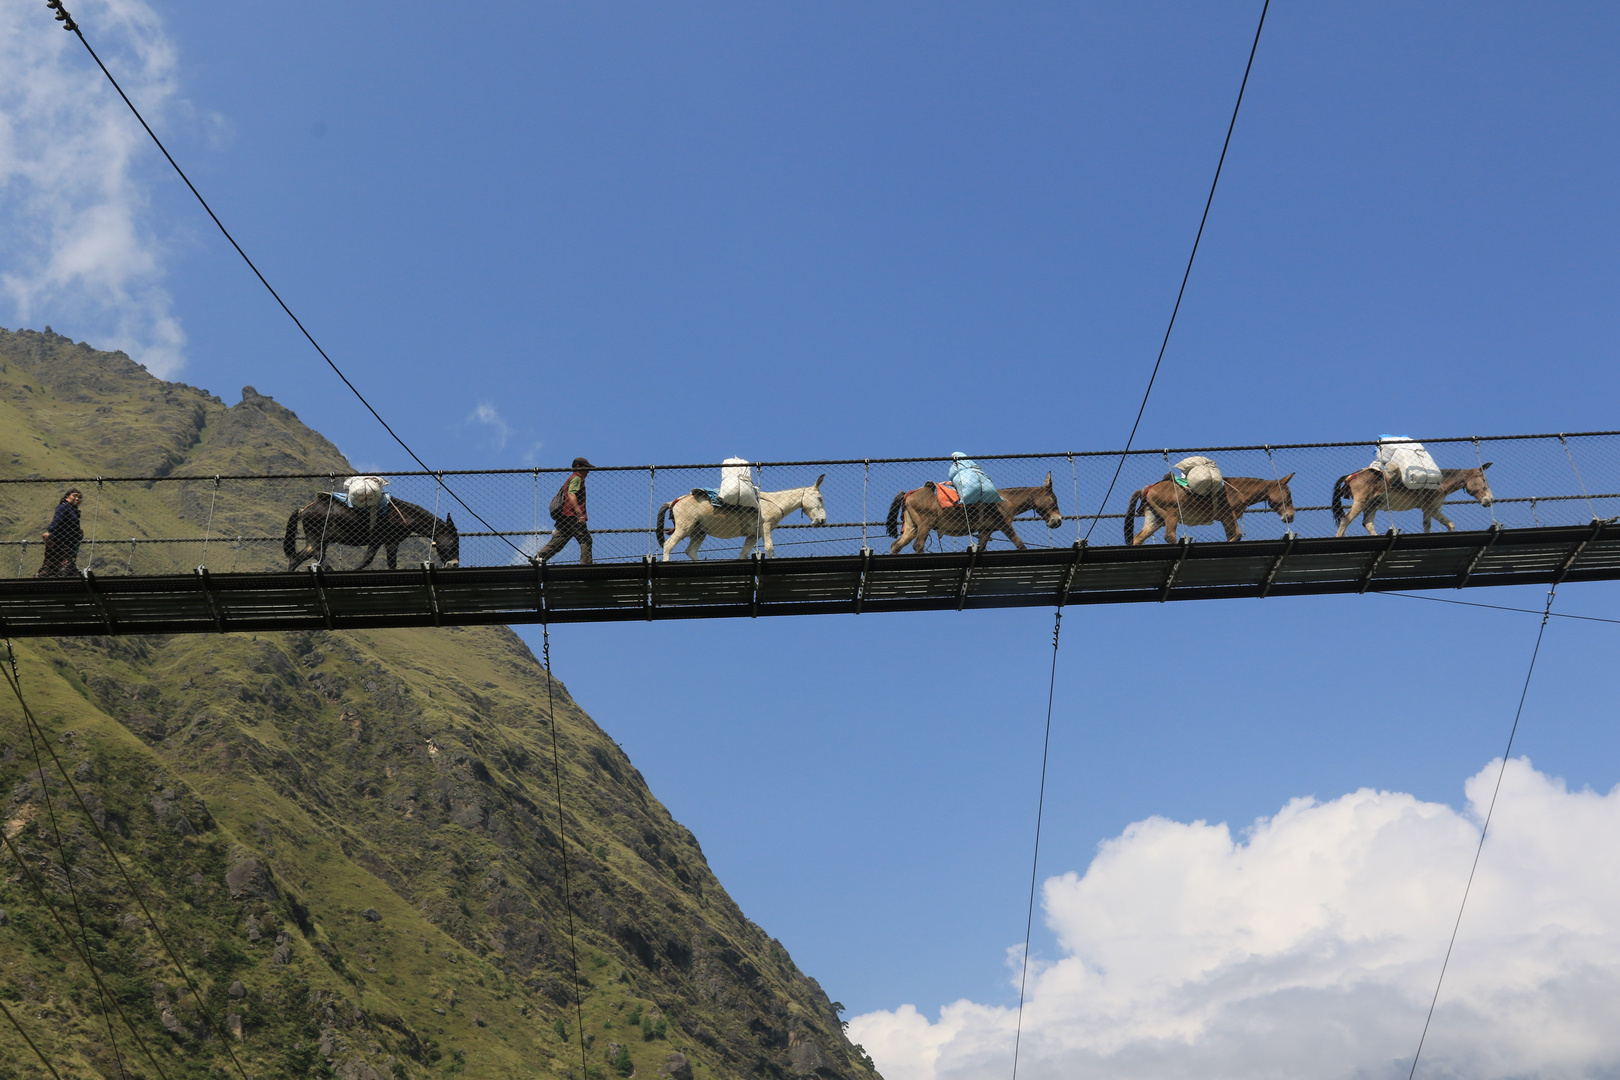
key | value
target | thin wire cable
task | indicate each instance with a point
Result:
(1578, 478)
(31, 1045)
(562, 844)
(1188, 273)
(208, 529)
(95, 522)
(32, 725)
(28, 714)
(1480, 458)
(1035, 862)
(71, 25)
(1484, 829)
(39, 891)
(67, 874)
(1497, 607)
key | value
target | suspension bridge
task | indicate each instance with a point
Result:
(208, 555)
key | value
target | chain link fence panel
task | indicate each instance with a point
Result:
(174, 524)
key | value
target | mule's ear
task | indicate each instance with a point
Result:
(819, 479)
(1287, 478)
(448, 520)
(1485, 466)
(1048, 481)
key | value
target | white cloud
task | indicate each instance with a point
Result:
(78, 252)
(490, 417)
(1309, 947)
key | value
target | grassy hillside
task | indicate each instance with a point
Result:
(351, 840)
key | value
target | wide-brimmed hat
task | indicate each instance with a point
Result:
(581, 463)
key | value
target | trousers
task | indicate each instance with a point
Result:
(567, 529)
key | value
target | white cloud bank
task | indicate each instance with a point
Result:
(74, 249)
(1309, 948)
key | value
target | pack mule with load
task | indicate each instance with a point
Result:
(328, 519)
(925, 514)
(696, 516)
(1168, 503)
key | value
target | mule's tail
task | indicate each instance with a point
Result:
(891, 524)
(1138, 504)
(662, 510)
(1341, 488)
(289, 542)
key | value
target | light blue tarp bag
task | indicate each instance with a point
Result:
(971, 482)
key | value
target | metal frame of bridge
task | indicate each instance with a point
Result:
(846, 584)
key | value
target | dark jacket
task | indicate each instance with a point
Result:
(66, 532)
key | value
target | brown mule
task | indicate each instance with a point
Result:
(924, 515)
(1370, 491)
(1169, 504)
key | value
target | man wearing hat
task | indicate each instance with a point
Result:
(568, 516)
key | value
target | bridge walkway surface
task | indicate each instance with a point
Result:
(868, 582)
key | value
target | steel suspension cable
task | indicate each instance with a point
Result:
(562, 844)
(71, 25)
(73, 942)
(33, 728)
(1035, 861)
(28, 714)
(1484, 829)
(1188, 272)
(67, 871)
(1498, 607)
(43, 1060)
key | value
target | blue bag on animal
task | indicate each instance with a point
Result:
(971, 482)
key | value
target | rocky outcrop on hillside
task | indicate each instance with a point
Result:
(350, 841)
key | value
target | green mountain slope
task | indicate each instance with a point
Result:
(350, 840)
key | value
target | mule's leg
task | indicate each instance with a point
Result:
(1229, 522)
(1150, 525)
(1369, 520)
(695, 543)
(1356, 508)
(747, 545)
(1006, 527)
(1434, 510)
(770, 547)
(907, 529)
(371, 553)
(921, 527)
(1171, 520)
(303, 554)
(393, 556)
(675, 537)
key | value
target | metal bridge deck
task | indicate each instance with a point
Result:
(212, 603)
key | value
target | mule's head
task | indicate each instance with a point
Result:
(447, 542)
(1045, 504)
(1281, 499)
(811, 504)
(1478, 487)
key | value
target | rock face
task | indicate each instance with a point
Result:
(248, 880)
(676, 1067)
(368, 877)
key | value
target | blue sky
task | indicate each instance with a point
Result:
(656, 233)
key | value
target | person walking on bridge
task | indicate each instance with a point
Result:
(62, 538)
(568, 516)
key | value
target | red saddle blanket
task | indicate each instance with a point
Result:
(947, 495)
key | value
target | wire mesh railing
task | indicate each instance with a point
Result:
(173, 524)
